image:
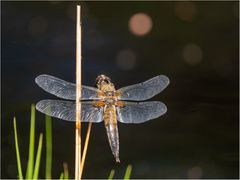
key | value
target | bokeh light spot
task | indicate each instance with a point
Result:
(37, 26)
(185, 11)
(192, 54)
(126, 59)
(195, 173)
(140, 24)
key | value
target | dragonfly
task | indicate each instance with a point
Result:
(104, 103)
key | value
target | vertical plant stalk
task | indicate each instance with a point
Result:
(20, 176)
(38, 158)
(78, 96)
(48, 123)
(30, 165)
(85, 147)
(61, 176)
(65, 171)
(111, 174)
(128, 172)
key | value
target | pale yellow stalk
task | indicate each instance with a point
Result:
(78, 96)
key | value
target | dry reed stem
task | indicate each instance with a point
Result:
(85, 147)
(78, 96)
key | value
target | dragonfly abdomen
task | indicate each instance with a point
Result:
(110, 120)
(109, 115)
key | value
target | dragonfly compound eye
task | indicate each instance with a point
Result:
(103, 78)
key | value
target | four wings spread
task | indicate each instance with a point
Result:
(133, 112)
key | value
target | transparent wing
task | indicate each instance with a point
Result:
(64, 89)
(135, 112)
(145, 90)
(66, 110)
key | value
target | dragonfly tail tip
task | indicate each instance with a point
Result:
(117, 160)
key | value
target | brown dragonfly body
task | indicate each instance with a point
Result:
(104, 103)
(109, 101)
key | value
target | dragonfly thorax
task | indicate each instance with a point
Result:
(110, 101)
(106, 87)
(110, 93)
(110, 98)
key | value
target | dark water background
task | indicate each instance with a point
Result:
(195, 44)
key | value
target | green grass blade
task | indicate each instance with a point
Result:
(111, 174)
(48, 171)
(20, 176)
(38, 158)
(61, 176)
(30, 165)
(65, 170)
(128, 172)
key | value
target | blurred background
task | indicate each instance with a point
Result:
(195, 44)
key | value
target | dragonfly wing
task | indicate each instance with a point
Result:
(145, 90)
(64, 89)
(134, 112)
(66, 110)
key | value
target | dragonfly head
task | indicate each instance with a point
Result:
(102, 79)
